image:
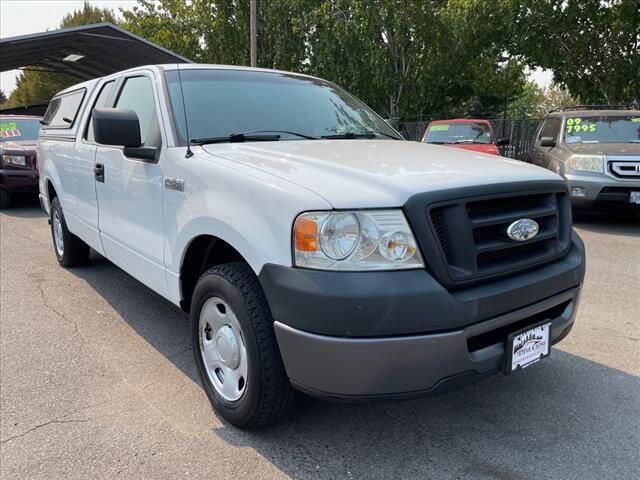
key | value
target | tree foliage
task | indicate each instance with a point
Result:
(404, 57)
(35, 85)
(535, 102)
(592, 46)
(409, 59)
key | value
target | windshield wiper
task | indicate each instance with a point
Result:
(288, 132)
(236, 138)
(355, 135)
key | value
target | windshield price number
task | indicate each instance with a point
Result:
(575, 125)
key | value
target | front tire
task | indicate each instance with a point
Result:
(70, 250)
(236, 350)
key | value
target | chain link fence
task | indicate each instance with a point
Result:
(520, 132)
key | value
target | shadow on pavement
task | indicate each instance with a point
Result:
(565, 418)
(615, 223)
(24, 206)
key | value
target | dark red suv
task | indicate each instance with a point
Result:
(18, 165)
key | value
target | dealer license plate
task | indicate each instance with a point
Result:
(634, 198)
(526, 347)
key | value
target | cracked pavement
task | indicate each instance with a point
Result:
(97, 381)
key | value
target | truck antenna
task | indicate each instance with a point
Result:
(189, 153)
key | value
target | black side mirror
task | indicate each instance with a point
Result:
(120, 126)
(116, 126)
(547, 142)
(503, 142)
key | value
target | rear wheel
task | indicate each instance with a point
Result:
(236, 349)
(70, 250)
(5, 199)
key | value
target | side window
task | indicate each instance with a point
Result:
(63, 109)
(137, 95)
(101, 101)
(551, 128)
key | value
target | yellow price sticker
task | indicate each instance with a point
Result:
(575, 126)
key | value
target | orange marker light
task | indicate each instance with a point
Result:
(305, 232)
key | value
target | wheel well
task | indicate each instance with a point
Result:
(203, 252)
(51, 192)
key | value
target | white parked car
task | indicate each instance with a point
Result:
(313, 247)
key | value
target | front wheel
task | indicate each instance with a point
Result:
(236, 350)
(70, 250)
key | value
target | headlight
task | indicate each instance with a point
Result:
(20, 160)
(356, 240)
(587, 163)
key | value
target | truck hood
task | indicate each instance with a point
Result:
(376, 173)
(632, 149)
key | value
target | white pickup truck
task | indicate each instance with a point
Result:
(313, 247)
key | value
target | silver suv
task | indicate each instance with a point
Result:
(596, 150)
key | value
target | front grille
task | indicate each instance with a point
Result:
(472, 233)
(625, 169)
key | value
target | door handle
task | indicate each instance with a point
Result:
(98, 171)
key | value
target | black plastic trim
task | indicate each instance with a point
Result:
(418, 208)
(370, 304)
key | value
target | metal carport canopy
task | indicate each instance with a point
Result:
(86, 52)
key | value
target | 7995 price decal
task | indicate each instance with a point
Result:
(575, 125)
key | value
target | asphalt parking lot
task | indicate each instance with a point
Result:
(97, 381)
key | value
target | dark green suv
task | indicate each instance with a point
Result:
(596, 150)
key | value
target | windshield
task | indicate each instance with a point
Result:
(602, 129)
(13, 129)
(225, 102)
(459, 133)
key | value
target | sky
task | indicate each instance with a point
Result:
(21, 17)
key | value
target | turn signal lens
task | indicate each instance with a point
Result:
(306, 234)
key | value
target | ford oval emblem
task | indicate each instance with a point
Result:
(523, 230)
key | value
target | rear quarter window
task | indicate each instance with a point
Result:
(63, 109)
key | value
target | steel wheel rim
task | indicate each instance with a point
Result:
(222, 349)
(57, 234)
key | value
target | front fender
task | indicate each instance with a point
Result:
(251, 210)
(214, 227)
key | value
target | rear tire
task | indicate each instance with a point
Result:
(5, 199)
(236, 323)
(70, 250)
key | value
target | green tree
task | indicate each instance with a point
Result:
(592, 46)
(406, 58)
(535, 102)
(217, 31)
(35, 85)
(414, 59)
(3, 97)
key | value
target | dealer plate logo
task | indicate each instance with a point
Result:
(523, 230)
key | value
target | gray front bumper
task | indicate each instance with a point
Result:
(600, 188)
(407, 366)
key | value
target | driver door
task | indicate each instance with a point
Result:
(130, 191)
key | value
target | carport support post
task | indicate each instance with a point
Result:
(254, 33)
